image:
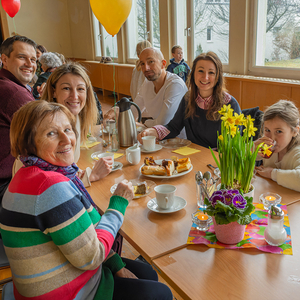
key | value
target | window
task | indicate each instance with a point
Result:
(208, 34)
(97, 36)
(136, 26)
(211, 28)
(110, 45)
(181, 26)
(155, 32)
(277, 34)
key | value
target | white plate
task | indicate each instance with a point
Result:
(95, 155)
(179, 204)
(157, 148)
(150, 185)
(175, 143)
(158, 161)
(117, 166)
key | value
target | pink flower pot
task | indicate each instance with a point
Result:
(231, 233)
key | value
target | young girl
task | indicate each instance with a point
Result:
(281, 129)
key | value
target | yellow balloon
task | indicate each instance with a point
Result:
(111, 13)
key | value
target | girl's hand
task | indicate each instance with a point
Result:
(265, 172)
(101, 168)
(147, 132)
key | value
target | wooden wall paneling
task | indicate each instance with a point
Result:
(109, 73)
(296, 95)
(234, 87)
(263, 94)
(124, 74)
(94, 72)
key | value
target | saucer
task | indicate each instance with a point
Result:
(117, 166)
(179, 203)
(157, 148)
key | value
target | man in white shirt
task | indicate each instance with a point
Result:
(162, 91)
(160, 94)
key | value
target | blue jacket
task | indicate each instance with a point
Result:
(181, 69)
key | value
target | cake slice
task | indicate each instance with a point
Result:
(141, 188)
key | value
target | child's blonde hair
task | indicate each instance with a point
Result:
(287, 112)
(176, 47)
(139, 48)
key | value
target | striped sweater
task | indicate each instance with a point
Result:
(54, 239)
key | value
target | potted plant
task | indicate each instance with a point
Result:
(230, 212)
(237, 153)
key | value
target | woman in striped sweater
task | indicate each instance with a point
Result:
(57, 244)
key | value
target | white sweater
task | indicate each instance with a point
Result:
(287, 171)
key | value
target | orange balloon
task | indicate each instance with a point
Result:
(111, 13)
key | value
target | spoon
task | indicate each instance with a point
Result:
(199, 177)
(206, 177)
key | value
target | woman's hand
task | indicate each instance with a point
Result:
(125, 190)
(147, 132)
(265, 172)
(101, 168)
(125, 273)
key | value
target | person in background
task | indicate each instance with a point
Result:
(138, 78)
(281, 129)
(177, 64)
(70, 85)
(58, 245)
(61, 57)
(49, 62)
(40, 49)
(198, 111)
(18, 54)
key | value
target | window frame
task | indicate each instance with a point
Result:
(264, 71)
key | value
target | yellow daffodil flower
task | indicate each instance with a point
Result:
(220, 137)
(239, 119)
(265, 150)
(233, 130)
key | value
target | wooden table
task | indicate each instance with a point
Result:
(153, 234)
(200, 272)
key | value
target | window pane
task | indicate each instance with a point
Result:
(137, 26)
(97, 38)
(155, 20)
(211, 28)
(110, 44)
(278, 34)
(181, 38)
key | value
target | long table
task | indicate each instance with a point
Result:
(152, 234)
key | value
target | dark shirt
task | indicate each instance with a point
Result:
(199, 130)
(181, 69)
(13, 95)
(41, 79)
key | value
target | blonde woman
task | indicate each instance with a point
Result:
(70, 85)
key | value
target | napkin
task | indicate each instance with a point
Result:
(186, 151)
(116, 155)
(90, 144)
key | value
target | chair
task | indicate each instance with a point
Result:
(256, 114)
(7, 289)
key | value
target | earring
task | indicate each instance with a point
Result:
(54, 99)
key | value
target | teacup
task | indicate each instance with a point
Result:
(133, 155)
(149, 142)
(106, 154)
(165, 195)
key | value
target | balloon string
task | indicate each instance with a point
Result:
(15, 26)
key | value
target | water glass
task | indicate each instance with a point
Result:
(200, 196)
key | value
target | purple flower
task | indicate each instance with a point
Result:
(239, 201)
(213, 199)
(217, 193)
(233, 192)
(228, 198)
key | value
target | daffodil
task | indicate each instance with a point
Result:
(236, 149)
(264, 149)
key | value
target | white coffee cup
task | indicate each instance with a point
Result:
(165, 195)
(133, 155)
(106, 154)
(149, 142)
